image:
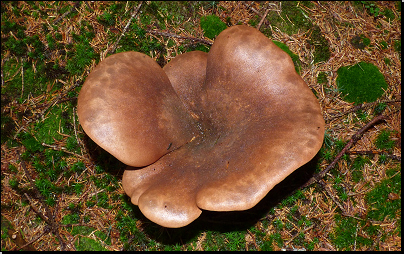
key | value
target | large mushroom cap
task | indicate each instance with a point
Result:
(257, 121)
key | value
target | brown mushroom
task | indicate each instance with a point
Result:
(248, 121)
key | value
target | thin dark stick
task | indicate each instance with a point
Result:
(252, 8)
(36, 210)
(33, 240)
(49, 219)
(258, 13)
(262, 19)
(47, 211)
(135, 12)
(351, 142)
(394, 157)
(64, 149)
(358, 107)
(73, 9)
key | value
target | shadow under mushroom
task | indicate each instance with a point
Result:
(213, 131)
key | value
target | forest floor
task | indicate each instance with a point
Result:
(60, 191)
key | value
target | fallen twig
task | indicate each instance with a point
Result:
(73, 9)
(49, 218)
(33, 240)
(394, 157)
(46, 106)
(351, 142)
(358, 107)
(252, 8)
(135, 12)
(61, 148)
(262, 19)
(297, 234)
(58, 99)
(194, 39)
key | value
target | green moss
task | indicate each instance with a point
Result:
(200, 47)
(295, 58)
(310, 245)
(72, 218)
(380, 107)
(16, 47)
(278, 224)
(88, 244)
(362, 115)
(107, 19)
(322, 78)
(321, 47)
(371, 7)
(361, 82)
(82, 57)
(136, 40)
(30, 143)
(71, 144)
(277, 238)
(384, 45)
(152, 8)
(360, 42)
(290, 200)
(14, 183)
(381, 206)
(78, 188)
(35, 83)
(341, 192)
(235, 240)
(80, 230)
(397, 46)
(357, 168)
(345, 234)
(267, 245)
(48, 130)
(78, 167)
(212, 26)
(103, 200)
(174, 13)
(383, 141)
(47, 189)
(254, 21)
(291, 10)
(7, 127)
(38, 46)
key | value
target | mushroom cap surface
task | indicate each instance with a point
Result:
(128, 107)
(256, 122)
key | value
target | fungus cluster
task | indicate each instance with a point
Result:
(214, 131)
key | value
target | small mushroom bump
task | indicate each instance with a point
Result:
(214, 131)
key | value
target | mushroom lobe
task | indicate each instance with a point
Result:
(129, 108)
(258, 122)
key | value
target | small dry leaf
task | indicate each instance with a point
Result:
(394, 196)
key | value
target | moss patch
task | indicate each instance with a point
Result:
(292, 18)
(385, 206)
(361, 82)
(212, 26)
(322, 78)
(321, 48)
(360, 42)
